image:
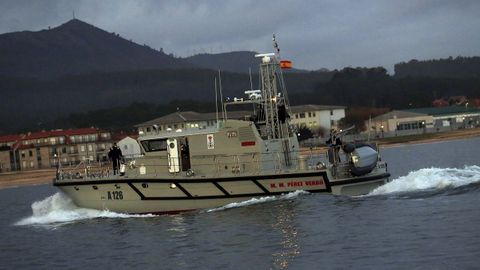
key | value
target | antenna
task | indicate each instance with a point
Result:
(216, 101)
(221, 94)
(250, 73)
(275, 45)
(73, 13)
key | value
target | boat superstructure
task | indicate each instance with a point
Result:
(236, 160)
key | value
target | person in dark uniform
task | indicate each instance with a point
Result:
(115, 155)
(335, 143)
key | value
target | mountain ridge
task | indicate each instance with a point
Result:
(76, 47)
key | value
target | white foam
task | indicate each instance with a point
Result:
(59, 208)
(431, 179)
(253, 201)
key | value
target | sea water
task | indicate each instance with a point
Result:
(427, 216)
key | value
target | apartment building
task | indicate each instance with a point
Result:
(45, 149)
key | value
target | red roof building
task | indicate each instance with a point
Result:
(43, 149)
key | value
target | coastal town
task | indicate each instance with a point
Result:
(31, 158)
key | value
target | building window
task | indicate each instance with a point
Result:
(331, 112)
(64, 150)
(32, 164)
(90, 147)
(309, 114)
(82, 148)
(148, 129)
(302, 115)
(30, 153)
(23, 155)
(313, 114)
(411, 125)
(61, 140)
(332, 123)
(52, 141)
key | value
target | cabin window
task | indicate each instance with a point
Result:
(155, 145)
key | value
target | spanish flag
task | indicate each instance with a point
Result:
(286, 64)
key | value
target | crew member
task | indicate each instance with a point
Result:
(335, 143)
(115, 155)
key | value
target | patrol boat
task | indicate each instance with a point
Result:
(237, 160)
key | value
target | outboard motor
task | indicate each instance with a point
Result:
(364, 159)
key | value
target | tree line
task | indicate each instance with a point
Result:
(120, 100)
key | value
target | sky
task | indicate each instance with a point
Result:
(314, 34)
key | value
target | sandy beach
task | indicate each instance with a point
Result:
(45, 176)
(36, 177)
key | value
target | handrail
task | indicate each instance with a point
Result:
(157, 165)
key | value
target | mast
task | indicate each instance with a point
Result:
(274, 102)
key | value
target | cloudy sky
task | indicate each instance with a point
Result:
(313, 34)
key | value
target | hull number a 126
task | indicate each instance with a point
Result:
(115, 195)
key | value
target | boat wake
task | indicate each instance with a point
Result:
(260, 200)
(59, 209)
(430, 179)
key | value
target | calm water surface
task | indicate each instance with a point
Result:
(427, 217)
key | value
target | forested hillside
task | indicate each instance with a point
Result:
(460, 67)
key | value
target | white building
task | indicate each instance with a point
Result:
(185, 120)
(310, 116)
(317, 116)
(399, 121)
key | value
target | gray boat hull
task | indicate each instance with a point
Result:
(178, 194)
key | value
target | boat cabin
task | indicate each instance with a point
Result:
(234, 147)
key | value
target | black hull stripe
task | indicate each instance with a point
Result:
(182, 189)
(261, 187)
(190, 180)
(221, 189)
(359, 179)
(137, 191)
(247, 195)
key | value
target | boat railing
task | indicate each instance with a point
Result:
(157, 166)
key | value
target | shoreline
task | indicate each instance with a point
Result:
(45, 176)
